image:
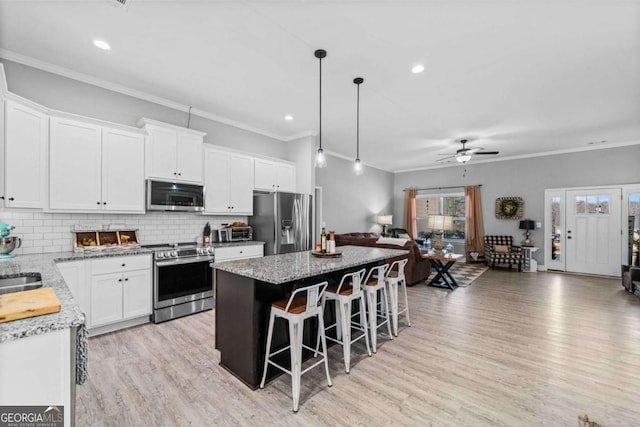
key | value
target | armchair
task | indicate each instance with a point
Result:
(500, 250)
(631, 278)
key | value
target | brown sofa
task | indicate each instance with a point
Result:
(416, 270)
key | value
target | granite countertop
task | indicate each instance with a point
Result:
(284, 268)
(70, 314)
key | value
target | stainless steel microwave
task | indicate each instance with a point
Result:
(174, 196)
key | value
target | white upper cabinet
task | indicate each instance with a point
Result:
(26, 135)
(228, 183)
(173, 153)
(95, 168)
(274, 176)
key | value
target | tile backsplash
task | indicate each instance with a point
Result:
(51, 232)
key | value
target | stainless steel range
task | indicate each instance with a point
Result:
(182, 280)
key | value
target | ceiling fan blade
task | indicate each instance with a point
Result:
(474, 150)
(486, 152)
(445, 158)
(447, 154)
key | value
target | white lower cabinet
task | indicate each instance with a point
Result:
(121, 289)
(229, 253)
(113, 292)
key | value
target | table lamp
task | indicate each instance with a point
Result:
(384, 220)
(439, 223)
(527, 225)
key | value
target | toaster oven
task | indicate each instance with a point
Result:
(235, 234)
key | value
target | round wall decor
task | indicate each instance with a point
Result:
(509, 207)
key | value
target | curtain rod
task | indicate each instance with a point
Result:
(441, 188)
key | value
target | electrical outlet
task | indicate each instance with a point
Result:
(538, 225)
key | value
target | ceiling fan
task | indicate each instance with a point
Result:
(465, 154)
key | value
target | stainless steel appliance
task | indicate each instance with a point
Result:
(7, 242)
(182, 280)
(282, 221)
(234, 234)
(174, 196)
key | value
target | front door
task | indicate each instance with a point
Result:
(593, 236)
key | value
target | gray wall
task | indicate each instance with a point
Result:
(527, 178)
(65, 94)
(350, 202)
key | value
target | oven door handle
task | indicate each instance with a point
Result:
(183, 261)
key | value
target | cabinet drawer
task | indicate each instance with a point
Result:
(120, 264)
(238, 252)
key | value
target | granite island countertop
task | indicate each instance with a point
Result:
(284, 268)
(70, 314)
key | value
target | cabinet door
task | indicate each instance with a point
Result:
(241, 185)
(122, 171)
(216, 174)
(26, 133)
(264, 175)
(189, 158)
(137, 294)
(161, 153)
(75, 165)
(285, 177)
(106, 299)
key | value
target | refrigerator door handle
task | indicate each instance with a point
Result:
(296, 224)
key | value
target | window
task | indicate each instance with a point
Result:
(441, 204)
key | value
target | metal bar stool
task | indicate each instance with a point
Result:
(303, 303)
(394, 278)
(374, 284)
(348, 291)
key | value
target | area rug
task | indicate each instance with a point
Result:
(463, 273)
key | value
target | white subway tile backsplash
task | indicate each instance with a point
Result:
(52, 232)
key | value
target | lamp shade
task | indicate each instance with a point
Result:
(440, 222)
(527, 224)
(384, 219)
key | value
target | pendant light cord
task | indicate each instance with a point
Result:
(189, 119)
(320, 109)
(358, 124)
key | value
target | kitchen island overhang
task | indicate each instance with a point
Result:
(245, 289)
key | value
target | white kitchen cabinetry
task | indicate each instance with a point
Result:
(25, 156)
(95, 168)
(121, 290)
(228, 183)
(274, 176)
(229, 253)
(173, 153)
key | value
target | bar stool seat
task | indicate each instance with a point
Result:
(374, 284)
(303, 304)
(348, 291)
(395, 278)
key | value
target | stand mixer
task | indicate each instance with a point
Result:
(8, 243)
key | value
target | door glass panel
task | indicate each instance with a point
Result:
(556, 226)
(603, 204)
(580, 204)
(592, 203)
(634, 228)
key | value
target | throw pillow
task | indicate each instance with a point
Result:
(501, 248)
(404, 236)
(392, 241)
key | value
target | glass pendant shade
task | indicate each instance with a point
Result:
(321, 159)
(357, 167)
(463, 158)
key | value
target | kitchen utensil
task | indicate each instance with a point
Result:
(5, 229)
(8, 244)
(19, 305)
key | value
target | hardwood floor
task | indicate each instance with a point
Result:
(512, 349)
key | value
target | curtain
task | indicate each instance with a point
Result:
(410, 223)
(474, 241)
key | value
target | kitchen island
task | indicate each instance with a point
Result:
(245, 289)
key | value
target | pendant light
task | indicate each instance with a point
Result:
(321, 160)
(357, 166)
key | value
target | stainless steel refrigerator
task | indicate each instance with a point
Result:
(283, 221)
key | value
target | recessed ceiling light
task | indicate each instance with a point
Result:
(101, 44)
(417, 69)
(288, 117)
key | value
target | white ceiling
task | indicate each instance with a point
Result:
(521, 77)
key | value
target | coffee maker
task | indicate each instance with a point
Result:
(8, 243)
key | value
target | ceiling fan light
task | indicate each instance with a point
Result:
(463, 158)
(357, 167)
(321, 159)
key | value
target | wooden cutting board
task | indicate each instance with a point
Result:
(19, 305)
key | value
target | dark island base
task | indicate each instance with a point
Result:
(242, 319)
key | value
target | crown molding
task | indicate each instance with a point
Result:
(351, 159)
(300, 135)
(86, 78)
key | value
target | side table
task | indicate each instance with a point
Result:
(442, 264)
(530, 264)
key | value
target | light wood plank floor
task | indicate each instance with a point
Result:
(512, 349)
